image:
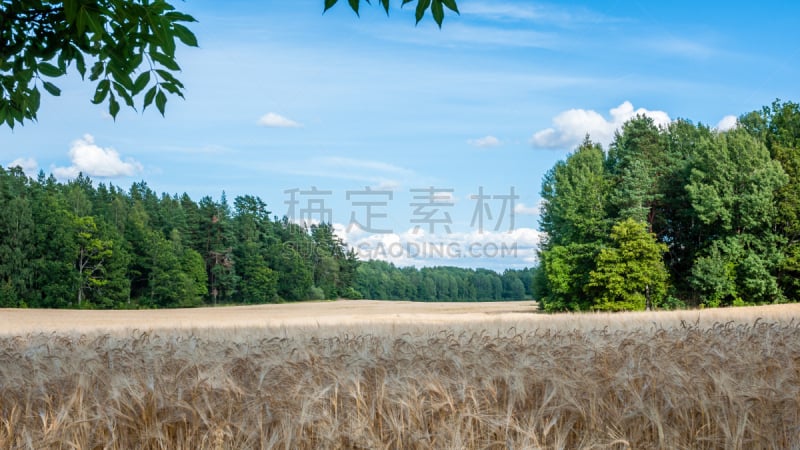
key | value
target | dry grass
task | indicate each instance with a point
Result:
(712, 379)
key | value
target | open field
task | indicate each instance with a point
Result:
(354, 315)
(338, 313)
(362, 374)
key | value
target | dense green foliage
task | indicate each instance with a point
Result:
(127, 47)
(630, 274)
(77, 245)
(383, 281)
(722, 208)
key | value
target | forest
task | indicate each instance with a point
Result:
(77, 245)
(679, 216)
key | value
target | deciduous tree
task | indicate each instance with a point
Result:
(575, 220)
(630, 273)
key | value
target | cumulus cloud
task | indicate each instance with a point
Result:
(484, 142)
(570, 127)
(28, 165)
(274, 120)
(90, 159)
(728, 123)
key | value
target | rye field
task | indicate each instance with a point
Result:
(399, 375)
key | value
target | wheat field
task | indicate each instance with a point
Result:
(375, 375)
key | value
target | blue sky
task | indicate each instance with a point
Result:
(282, 97)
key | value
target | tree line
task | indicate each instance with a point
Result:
(674, 216)
(76, 245)
(381, 280)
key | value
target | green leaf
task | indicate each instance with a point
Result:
(165, 60)
(149, 96)
(329, 4)
(160, 35)
(101, 92)
(51, 88)
(354, 5)
(186, 36)
(70, 10)
(134, 62)
(120, 76)
(80, 63)
(63, 57)
(161, 101)
(166, 76)
(451, 5)
(35, 100)
(169, 47)
(49, 70)
(175, 16)
(385, 4)
(141, 82)
(422, 5)
(113, 107)
(438, 12)
(122, 91)
(171, 88)
(93, 22)
(73, 15)
(97, 69)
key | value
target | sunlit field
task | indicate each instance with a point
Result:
(363, 374)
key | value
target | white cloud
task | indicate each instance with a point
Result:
(521, 208)
(570, 127)
(208, 149)
(362, 164)
(680, 47)
(461, 34)
(273, 120)
(386, 185)
(539, 14)
(728, 123)
(484, 142)
(28, 165)
(95, 161)
(378, 175)
(503, 11)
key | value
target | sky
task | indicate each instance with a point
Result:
(418, 143)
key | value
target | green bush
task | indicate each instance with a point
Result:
(316, 293)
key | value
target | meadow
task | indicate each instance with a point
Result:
(364, 374)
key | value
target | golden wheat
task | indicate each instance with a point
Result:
(671, 384)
